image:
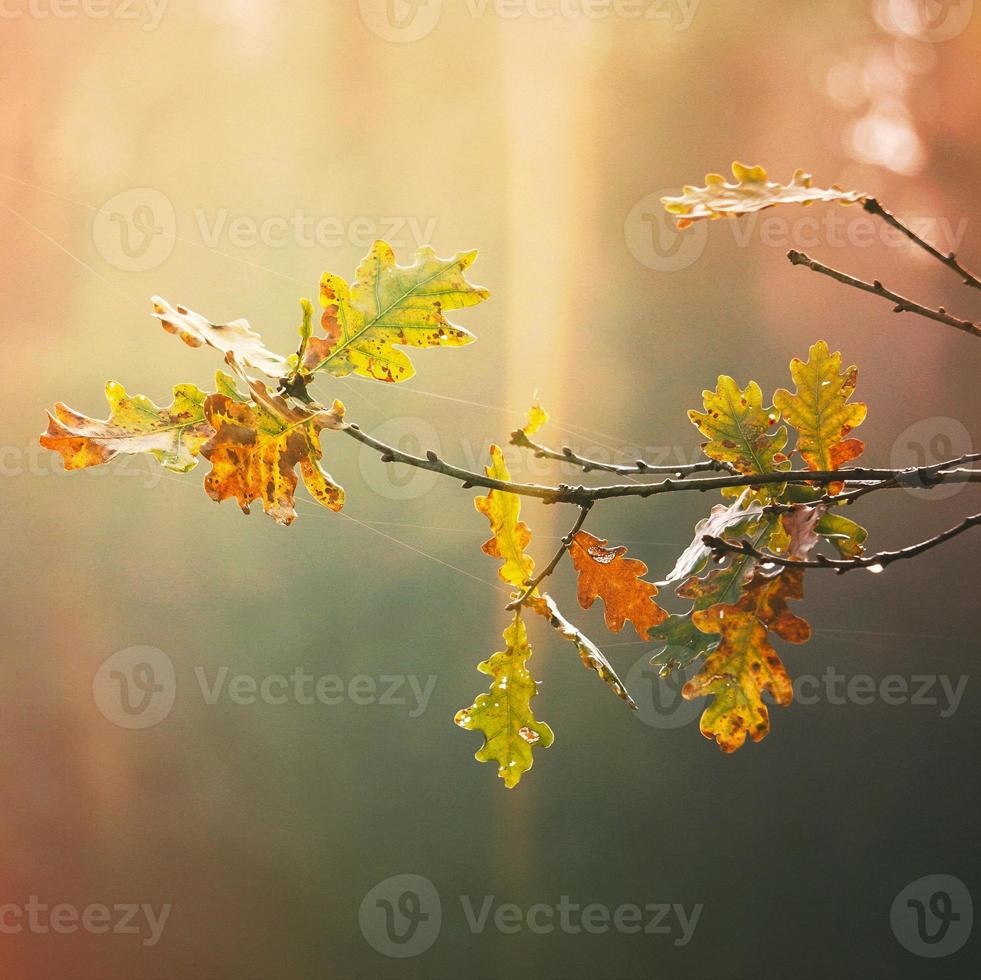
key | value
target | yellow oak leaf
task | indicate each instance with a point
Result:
(820, 409)
(752, 191)
(390, 306)
(504, 714)
(510, 534)
(172, 435)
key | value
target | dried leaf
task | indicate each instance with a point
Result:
(172, 435)
(752, 191)
(236, 338)
(590, 654)
(504, 714)
(255, 450)
(734, 519)
(390, 305)
(606, 574)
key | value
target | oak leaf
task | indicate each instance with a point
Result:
(820, 410)
(745, 664)
(510, 534)
(255, 450)
(387, 306)
(172, 435)
(589, 653)
(236, 337)
(752, 191)
(606, 574)
(504, 714)
(737, 427)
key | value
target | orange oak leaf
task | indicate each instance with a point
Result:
(606, 574)
(256, 448)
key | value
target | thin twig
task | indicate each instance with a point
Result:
(638, 468)
(556, 558)
(901, 303)
(926, 474)
(564, 494)
(949, 259)
(875, 562)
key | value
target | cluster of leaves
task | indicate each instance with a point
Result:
(255, 436)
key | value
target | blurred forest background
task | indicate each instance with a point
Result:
(202, 130)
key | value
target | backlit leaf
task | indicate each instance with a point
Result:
(172, 435)
(504, 714)
(752, 191)
(236, 338)
(255, 450)
(510, 535)
(390, 306)
(590, 654)
(537, 417)
(820, 410)
(737, 427)
(745, 665)
(606, 574)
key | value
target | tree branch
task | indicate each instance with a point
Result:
(949, 259)
(557, 557)
(902, 304)
(875, 562)
(640, 467)
(923, 476)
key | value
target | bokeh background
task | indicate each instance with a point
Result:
(223, 154)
